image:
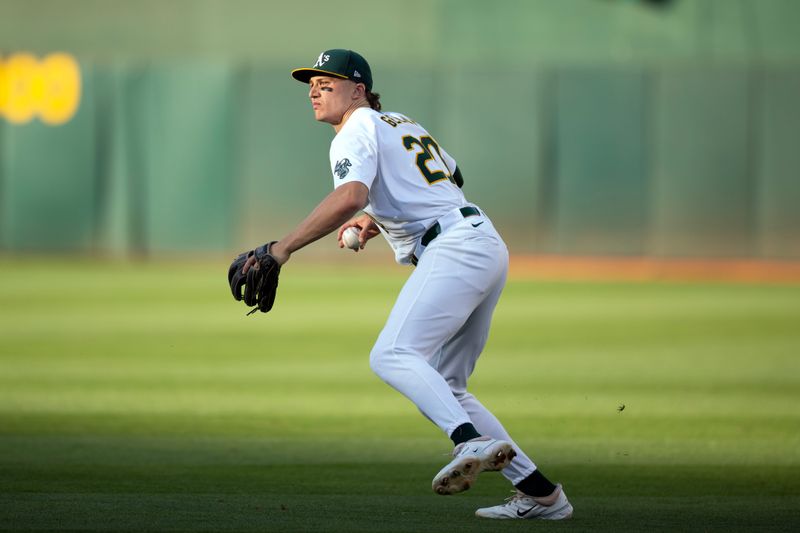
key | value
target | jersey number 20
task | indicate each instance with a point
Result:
(428, 151)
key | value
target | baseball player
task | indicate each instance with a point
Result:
(409, 189)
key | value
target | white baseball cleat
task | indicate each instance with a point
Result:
(470, 459)
(520, 505)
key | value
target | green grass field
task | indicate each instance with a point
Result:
(140, 398)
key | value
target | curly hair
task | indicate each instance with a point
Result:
(374, 100)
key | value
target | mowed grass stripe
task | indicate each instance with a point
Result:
(140, 398)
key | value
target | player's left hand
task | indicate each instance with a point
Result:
(256, 272)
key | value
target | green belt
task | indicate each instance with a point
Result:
(436, 229)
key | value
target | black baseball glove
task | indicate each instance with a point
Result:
(260, 283)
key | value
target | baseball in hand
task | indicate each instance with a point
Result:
(350, 238)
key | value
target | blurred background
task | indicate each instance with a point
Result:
(662, 129)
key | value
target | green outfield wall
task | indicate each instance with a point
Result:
(582, 126)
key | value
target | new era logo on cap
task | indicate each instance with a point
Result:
(356, 74)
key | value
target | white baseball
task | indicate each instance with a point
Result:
(350, 238)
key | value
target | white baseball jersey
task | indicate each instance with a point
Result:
(408, 174)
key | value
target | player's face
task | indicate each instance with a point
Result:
(331, 98)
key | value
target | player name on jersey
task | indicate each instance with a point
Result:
(396, 120)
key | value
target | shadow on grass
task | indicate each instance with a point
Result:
(385, 497)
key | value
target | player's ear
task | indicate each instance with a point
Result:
(360, 91)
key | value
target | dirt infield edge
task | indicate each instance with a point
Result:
(650, 269)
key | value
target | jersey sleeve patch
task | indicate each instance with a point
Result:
(342, 168)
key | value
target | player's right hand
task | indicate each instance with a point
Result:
(367, 229)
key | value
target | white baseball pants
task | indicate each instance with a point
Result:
(439, 326)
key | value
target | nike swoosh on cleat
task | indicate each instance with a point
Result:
(476, 225)
(521, 514)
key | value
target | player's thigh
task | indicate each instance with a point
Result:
(449, 283)
(457, 358)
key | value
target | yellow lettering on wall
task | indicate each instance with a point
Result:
(49, 89)
(23, 79)
(61, 89)
(3, 88)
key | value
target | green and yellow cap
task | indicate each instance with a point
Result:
(339, 63)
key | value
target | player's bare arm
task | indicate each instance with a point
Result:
(332, 212)
(339, 206)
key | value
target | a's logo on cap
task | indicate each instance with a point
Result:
(322, 59)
